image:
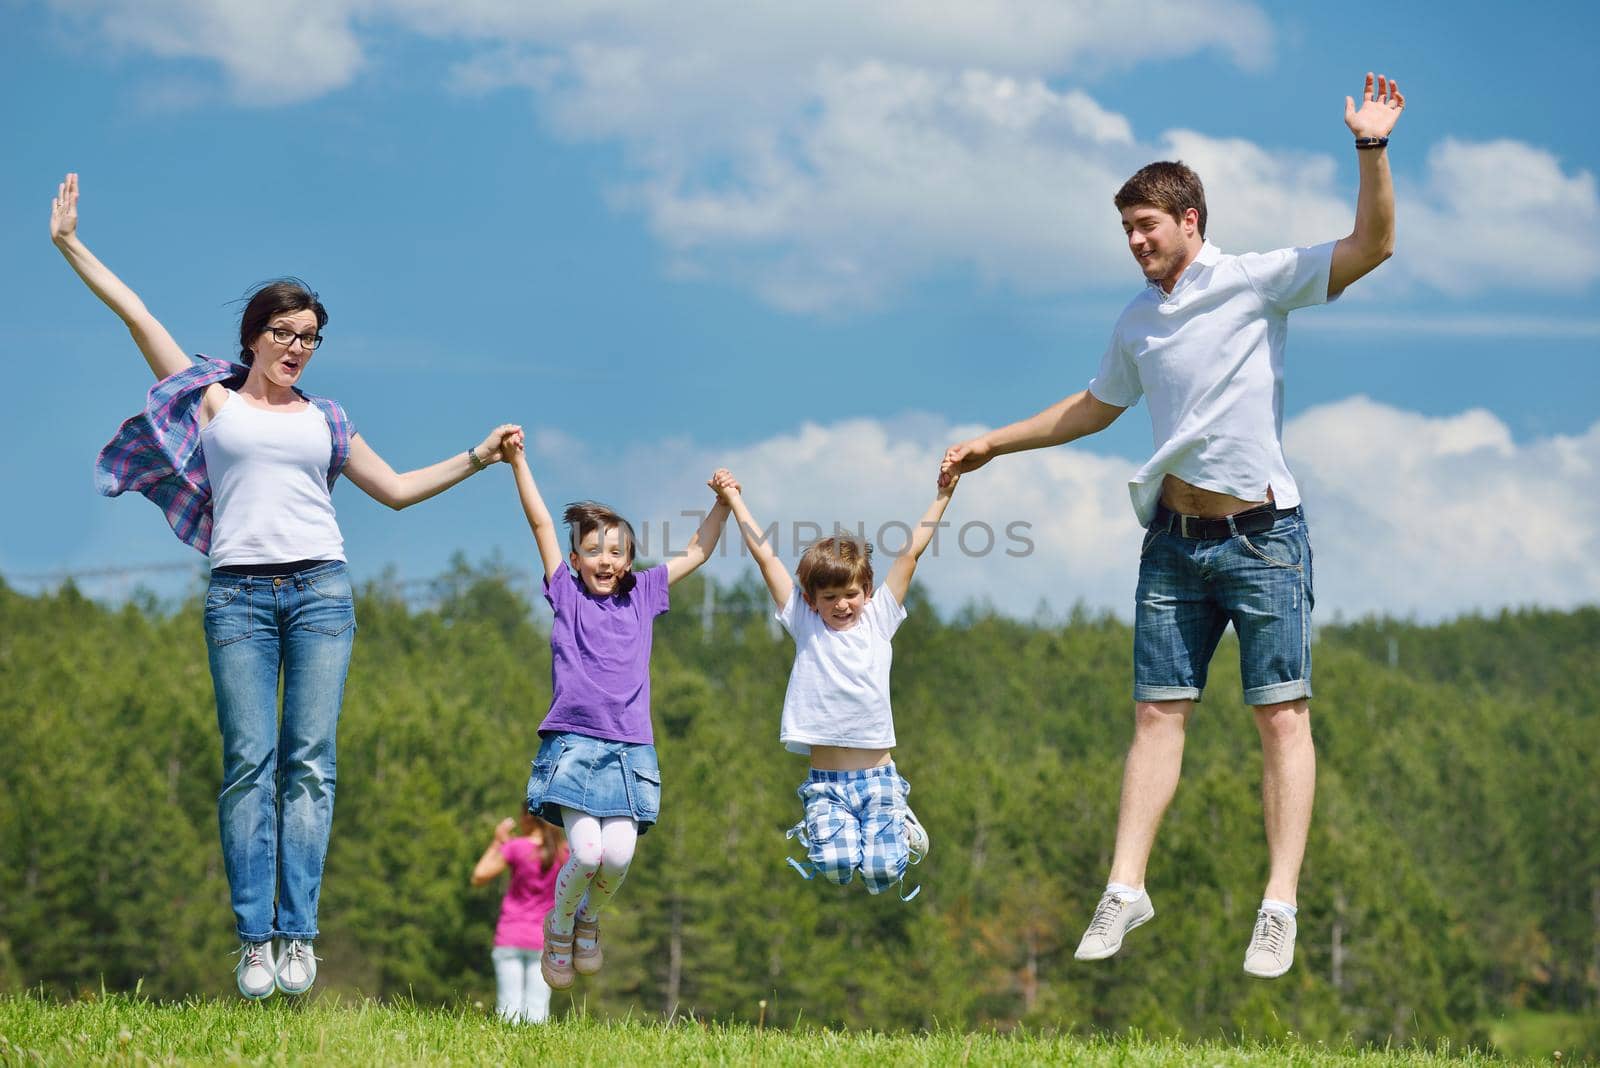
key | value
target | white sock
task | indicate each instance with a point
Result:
(1279, 906)
(1125, 893)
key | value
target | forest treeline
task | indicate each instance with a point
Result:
(1452, 877)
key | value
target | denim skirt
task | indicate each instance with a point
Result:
(596, 777)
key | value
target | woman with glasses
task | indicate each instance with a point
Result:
(243, 462)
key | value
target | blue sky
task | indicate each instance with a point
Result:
(816, 244)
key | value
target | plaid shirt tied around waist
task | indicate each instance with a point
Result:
(157, 453)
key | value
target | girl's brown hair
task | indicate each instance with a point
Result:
(552, 840)
(585, 516)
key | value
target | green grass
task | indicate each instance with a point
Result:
(1533, 1033)
(127, 1030)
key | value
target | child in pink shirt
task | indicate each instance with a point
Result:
(533, 859)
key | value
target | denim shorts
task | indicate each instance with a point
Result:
(596, 777)
(1190, 589)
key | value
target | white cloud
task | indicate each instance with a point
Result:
(1070, 505)
(829, 154)
(1502, 213)
(898, 172)
(691, 51)
(275, 53)
(1410, 515)
(1514, 326)
(1436, 516)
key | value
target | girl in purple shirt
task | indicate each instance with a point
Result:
(596, 772)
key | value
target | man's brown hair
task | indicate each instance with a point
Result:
(1169, 186)
(837, 561)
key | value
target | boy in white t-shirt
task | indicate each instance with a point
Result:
(837, 706)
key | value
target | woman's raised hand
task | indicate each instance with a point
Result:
(64, 210)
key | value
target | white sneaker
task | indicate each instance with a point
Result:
(297, 967)
(1113, 918)
(1271, 951)
(916, 837)
(255, 971)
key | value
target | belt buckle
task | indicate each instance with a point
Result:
(1183, 527)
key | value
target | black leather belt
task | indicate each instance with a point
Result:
(293, 567)
(1253, 521)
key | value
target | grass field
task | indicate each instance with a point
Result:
(123, 1030)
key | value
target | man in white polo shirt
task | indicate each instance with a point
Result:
(1225, 541)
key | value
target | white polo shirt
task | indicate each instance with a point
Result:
(1209, 356)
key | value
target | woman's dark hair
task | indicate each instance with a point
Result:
(274, 298)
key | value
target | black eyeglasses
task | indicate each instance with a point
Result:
(285, 337)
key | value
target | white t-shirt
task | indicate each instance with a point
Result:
(270, 502)
(1209, 355)
(839, 687)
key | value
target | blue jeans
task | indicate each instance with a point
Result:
(1190, 589)
(276, 804)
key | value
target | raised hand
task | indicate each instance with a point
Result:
(64, 210)
(502, 831)
(1379, 111)
(497, 446)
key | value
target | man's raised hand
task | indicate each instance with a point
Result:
(1379, 110)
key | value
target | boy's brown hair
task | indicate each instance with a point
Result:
(1168, 185)
(837, 561)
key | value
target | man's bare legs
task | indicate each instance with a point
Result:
(1288, 782)
(1149, 779)
(1288, 785)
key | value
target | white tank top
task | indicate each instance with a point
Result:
(269, 485)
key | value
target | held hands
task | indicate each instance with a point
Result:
(64, 210)
(947, 483)
(724, 485)
(959, 459)
(499, 444)
(1379, 111)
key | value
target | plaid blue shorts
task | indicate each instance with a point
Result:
(855, 821)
